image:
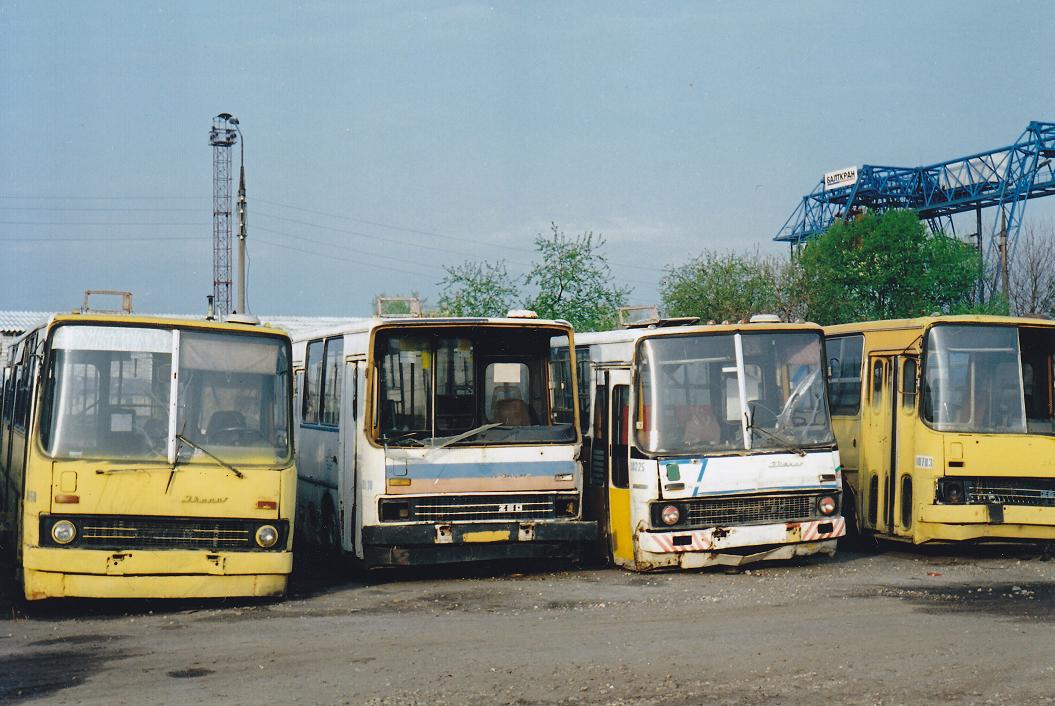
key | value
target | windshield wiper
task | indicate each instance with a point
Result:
(404, 439)
(785, 443)
(214, 457)
(466, 434)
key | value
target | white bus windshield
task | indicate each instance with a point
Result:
(692, 389)
(989, 379)
(466, 386)
(109, 391)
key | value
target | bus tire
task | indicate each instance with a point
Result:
(852, 538)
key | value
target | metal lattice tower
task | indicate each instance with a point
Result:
(222, 136)
(1006, 177)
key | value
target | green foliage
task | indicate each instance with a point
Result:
(477, 289)
(573, 281)
(570, 277)
(728, 286)
(886, 266)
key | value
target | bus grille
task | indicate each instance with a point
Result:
(135, 532)
(1012, 491)
(465, 508)
(711, 512)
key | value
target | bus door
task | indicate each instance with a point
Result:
(620, 527)
(878, 456)
(595, 495)
(904, 462)
(347, 479)
(890, 415)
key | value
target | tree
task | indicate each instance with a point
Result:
(572, 281)
(886, 266)
(720, 286)
(1032, 277)
(477, 289)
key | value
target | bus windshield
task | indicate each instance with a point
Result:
(466, 386)
(989, 379)
(692, 389)
(109, 390)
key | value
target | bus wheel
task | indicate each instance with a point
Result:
(852, 538)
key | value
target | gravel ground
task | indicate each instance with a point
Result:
(958, 626)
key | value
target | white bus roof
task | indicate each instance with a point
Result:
(310, 328)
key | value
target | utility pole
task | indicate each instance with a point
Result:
(240, 314)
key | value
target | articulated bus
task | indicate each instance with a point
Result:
(429, 440)
(947, 426)
(707, 445)
(147, 457)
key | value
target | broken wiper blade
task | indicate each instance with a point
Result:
(784, 443)
(405, 439)
(466, 434)
(208, 453)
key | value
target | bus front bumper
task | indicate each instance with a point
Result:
(403, 545)
(731, 546)
(977, 521)
(55, 573)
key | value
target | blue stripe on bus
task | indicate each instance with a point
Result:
(479, 470)
(703, 467)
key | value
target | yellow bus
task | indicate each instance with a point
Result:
(946, 426)
(147, 457)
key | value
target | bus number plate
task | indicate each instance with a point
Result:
(511, 507)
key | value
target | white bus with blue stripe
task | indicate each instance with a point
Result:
(707, 444)
(429, 440)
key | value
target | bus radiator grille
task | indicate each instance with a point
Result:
(711, 512)
(466, 508)
(1012, 491)
(140, 532)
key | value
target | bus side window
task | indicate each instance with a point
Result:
(908, 384)
(844, 363)
(313, 364)
(599, 452)
(877, 382)
(332, 380)
(621, 436)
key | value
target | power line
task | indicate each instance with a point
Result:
(389, 226)
(104, 198)
(65, 239)
(97, 223)
(435, 234)
(371, 236)
(331, 256)
(100, 210)
(359, 254)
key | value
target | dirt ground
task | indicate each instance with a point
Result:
(968, 625)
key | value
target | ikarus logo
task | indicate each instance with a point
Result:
(198, 500)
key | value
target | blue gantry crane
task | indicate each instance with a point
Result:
(1006, 177)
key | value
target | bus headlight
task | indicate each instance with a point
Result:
(266, 536)
(670, 515)
(950, 491)
(826, 505)
(63, 532)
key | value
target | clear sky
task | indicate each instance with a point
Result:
(384, 140)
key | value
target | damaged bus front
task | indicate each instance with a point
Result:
(712, 445)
